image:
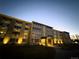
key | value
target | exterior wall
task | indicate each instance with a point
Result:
(40, 30)
(66, 37)
(58, 39)
(36, 33)
(61, 36)
(48, 31)
(15, 30)
(51, 36)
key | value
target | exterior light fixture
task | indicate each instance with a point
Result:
(19, 41)
(58, 42)
(6, 40)
(1, 32)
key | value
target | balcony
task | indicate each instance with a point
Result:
(7, 22)
(18, 24)
(17, 30)
(27, 27)
(15, 36)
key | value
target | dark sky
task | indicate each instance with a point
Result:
(60, 14)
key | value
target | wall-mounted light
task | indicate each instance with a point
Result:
(6, 40)
(20, 40)
(1, 32)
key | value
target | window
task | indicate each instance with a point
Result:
(18, 23)
(26, 30)
(17, 27)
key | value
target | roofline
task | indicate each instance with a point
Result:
(13, 18)
(42, 24)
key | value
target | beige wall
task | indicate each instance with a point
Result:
(15, 29)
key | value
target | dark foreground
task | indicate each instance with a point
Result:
(67, 54)
(37, 52)
(26, 52)
(67, 51)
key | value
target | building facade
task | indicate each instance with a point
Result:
(66, 37)
(36, 33)
(58, 38)
(14, 30)
(61, 37)
(40, 31)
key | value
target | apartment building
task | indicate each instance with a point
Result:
(61, 37)
(40, 32)
(66, 37)
(36, 33)
(58, 38)
(13, 30)
(16, 31)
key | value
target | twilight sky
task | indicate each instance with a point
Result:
(61, 14)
